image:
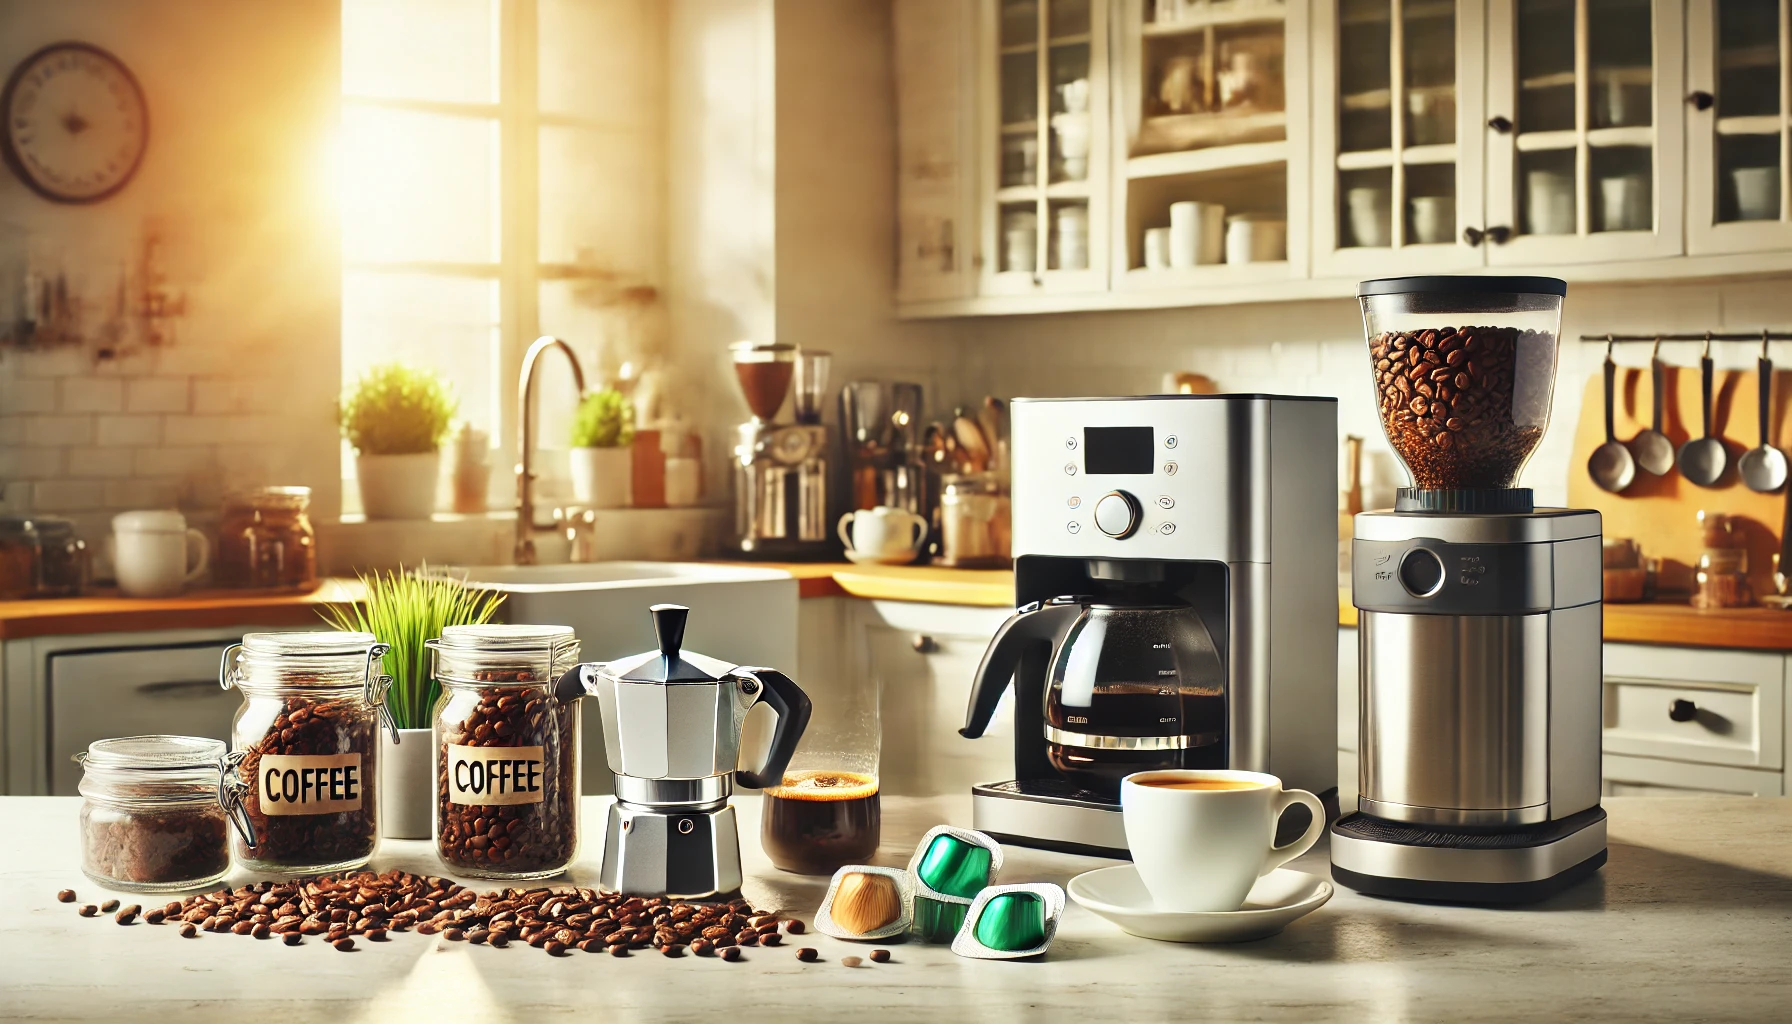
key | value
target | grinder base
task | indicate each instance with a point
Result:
(1417, 862)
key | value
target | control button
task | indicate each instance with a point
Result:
(1165, 501)
(1170, 442)
(1076, 502)
(1167, 529)
(1117, 514)
(1074, 527)
(1070, 469)
(1421, 572)
(1070, 443)
(1169, 469)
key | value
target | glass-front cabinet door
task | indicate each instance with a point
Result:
(1046, 109)
(1211, 161)
(1398, 136)
(1737, 125)
(1586, 120)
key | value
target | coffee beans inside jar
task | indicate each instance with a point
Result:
(507, 767)
(1463, 407)
(150, 815)
(307, 741)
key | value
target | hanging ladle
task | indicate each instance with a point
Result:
(1653, 452)
(1610, 465)
(1703, 459)
(1763, 468)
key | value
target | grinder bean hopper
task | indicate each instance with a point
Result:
(1479, 614)
(672, 724)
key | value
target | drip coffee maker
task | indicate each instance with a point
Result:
(1479, 613)
(781, 469)
(1174, 571)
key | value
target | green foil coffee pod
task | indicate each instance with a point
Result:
(937, 920)
(1011, 921)
(955, 867)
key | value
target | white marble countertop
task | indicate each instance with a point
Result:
(1690, 920)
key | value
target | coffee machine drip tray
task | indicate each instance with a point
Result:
(1426, 862)
(1049, 814)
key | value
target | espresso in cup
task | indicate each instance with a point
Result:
(1201, 839)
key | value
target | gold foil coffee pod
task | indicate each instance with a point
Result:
(866, 903)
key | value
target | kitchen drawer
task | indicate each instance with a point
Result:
(1648, 776)
(1705, 722)
(924, 658)
(98, 694)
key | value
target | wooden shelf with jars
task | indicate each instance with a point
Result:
(1597, 140)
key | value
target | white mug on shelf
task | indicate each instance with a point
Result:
(1549, 203)
(1157, 248)
(1197, 233)
(1433, 220)
(1201, 839)
(1757, 192)
(882, 534)
(1371, 216)
(1254, 238)
(1624, 203)
(154, 554)
(1072, 239)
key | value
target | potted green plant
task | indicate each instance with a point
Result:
(407, 609)
(395, 418)
(601, 459)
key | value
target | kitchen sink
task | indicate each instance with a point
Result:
(740, 615)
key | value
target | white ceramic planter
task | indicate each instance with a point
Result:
(407, 784)
(398, 486)
(603, 477)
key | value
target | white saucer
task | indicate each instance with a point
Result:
(1278, 899)
(866, 558)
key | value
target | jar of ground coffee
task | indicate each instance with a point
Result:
(507, 753)
(308, 742)
(154, 812)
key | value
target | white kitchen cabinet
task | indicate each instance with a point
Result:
(936, 175)
(1648, 776)
(1738, 76)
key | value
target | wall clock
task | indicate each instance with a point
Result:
(76, 123)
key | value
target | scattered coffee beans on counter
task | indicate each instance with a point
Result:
(108, 906)
(1449, 403)
(880, 956)
(794, 926)
(311, 728)
(66, 896)
(190, 931)
(129, 914)
(344, 944)
(850, 961)
(807, 955)
(731, 954)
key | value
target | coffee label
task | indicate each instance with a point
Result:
(496, 775)
(309, 783)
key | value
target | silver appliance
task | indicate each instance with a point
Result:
(1479, 615)
(672, 727)
(781, 470)
(1197, 532)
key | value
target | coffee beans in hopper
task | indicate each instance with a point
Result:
(1451, 406)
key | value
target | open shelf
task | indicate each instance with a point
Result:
(1203, 161)
(1169, 132)
(1220, 12)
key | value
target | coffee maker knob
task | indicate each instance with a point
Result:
(1117, 514)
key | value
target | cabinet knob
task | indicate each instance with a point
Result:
(1472, 236)
(1683, 710)
(1701, 100)
(1499, 235)
(1500, 124)
(924, 644)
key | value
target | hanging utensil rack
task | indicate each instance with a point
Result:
(1621, 339)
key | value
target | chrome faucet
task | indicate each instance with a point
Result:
(526, 529)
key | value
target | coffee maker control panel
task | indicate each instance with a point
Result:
(1117, 514)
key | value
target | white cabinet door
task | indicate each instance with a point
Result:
(935, 154)
(98, 694)
(1399, 136)
(1736, 137)
(1649, 776)
(1590, 166)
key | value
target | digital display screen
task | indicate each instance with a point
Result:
(1118, 450)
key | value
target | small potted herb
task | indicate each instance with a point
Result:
(395, 418)
(602, 460)
(406, 609)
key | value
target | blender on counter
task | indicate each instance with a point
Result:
(1480, 614)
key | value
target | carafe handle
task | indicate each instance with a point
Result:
(1034, 623)
(793, 708)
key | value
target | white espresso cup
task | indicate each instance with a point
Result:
(154, 554)
(883, 532)
(1201, 839)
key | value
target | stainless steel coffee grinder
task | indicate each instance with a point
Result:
(1479, 614)
(672, 729)
(782, 507)
(1173, 568)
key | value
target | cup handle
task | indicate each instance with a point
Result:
(205, 555)
(844, 529)
(1280, 855)
(920, 531)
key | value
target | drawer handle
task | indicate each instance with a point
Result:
(1683, 710)
(179, 688)
(924, 644)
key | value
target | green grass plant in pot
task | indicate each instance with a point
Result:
(602, 456)
(396, 417)
(407, 609)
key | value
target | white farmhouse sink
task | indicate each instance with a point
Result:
(739, 615)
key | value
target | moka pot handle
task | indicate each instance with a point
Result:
(793, 707)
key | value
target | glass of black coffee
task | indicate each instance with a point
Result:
(820, 820)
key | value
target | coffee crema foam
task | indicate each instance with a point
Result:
(824, 786)
(1201, 785)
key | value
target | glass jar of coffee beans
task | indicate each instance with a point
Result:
(507, 753)
(155, 811)
(307, 745)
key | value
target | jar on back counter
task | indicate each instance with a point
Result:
(62, 558)
(507, 753)
(308, 739)
(265, 539)
(154, 812)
